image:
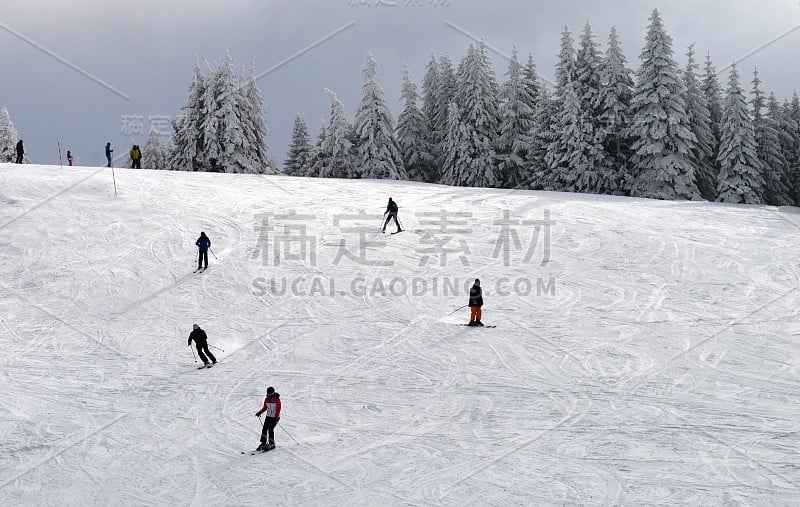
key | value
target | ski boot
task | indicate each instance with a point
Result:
(479, 323)
(270, 446)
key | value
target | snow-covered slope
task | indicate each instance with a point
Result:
(658, 364)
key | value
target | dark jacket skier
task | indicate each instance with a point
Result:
(109, 153)
(20, 151)
(69, 157)
(203, 244)
(272, 414)
(390, 213)
(201, 342)
(475, 304)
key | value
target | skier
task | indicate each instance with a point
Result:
(391, 210)
(109, 153)
(203, 244)
(20, 151)
(201, 342)
(69, 158)
(475, 304)
(136, 157)
(272, 409)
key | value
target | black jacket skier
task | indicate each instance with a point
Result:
(391, 212)
(20, 151)
(201, 341)
(475, 304)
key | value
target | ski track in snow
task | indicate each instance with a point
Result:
(663, 371)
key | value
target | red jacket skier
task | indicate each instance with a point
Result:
(272, 414)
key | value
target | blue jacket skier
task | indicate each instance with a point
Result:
(109, 152)
(203, 244)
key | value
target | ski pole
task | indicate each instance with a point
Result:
(459, 308)
(195, 357)
(212, 252)
(213, 347)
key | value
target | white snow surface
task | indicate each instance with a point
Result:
(662, 371)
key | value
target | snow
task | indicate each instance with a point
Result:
(662, 371)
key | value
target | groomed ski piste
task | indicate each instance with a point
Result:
(646, 354)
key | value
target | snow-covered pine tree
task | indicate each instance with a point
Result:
(576, 170)
(257, 153)
(446, 89)
(532, 83)
(768, 149)
(8, 137)
(543, 135)
(516, 121)
(430, 105)
(457, 168)
(156, 152)
(412, 133)
(790, 143)
(231, 140)
(700, 120)
(298, 160)
(187, 134)
(776, 116)
(599, 177)
(740, 179)
(553, 177)
(320, 157)
(209, 117)
(378, 154)
(663, 136)
(713, 93)
(337, 149)
(615, 115)
(476, 97)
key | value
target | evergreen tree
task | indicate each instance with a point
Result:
(230, 139)
(188, 138)
(597, 175)
(258, 155)
(783, 130)
(8, 138)
(476, 97)
(298, 160)
(336, 151)
(446, 89)
(457, 169)
(768, 150)
(663, 136)
(156, 152)
(790, 144)
(566, 75)
(615, 116)
(700, 120)
(532, 83)
(543, 135)
(713, 92)
(516, 121)
(378, 154)
(412, 134)
(575, 169)
(319, 158)
(430, 107)
(740, 179)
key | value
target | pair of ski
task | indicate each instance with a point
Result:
(200, 270)
(259, 451)
(395, 232)
(488, 327)
(210, 365)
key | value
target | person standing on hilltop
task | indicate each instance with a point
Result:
(390, 213)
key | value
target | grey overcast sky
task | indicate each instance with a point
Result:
(145, 48)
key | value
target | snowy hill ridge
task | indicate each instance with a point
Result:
(646, 352)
